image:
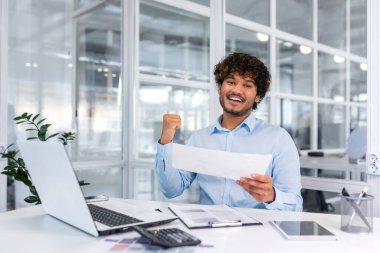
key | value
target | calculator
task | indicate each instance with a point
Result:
(168, 237)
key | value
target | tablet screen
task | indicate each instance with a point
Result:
(303, 230)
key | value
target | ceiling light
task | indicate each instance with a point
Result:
(70, 65)
(363, 66)
(338, 59)
(288, 44)
(28, 64)
(305, 49)
(35, 65)
(262, 37)
(338, 98)
(105, 69)
(362, 97)
(100, 69)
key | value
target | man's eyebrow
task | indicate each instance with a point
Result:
(250, 80)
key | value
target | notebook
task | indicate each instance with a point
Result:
(61, 196)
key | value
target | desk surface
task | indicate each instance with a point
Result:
(30, 230)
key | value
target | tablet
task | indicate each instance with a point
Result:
(304, 230)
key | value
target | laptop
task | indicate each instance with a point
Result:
(61, 196)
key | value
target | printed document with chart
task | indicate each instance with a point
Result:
(219, 163)
(211, 216)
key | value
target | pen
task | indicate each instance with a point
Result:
(361, 195)
(216, 224)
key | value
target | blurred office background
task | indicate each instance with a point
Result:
(109, 73)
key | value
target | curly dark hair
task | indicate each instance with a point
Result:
(247, 66)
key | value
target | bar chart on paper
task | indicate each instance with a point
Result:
(140, 245)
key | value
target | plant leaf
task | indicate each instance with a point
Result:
(8, 173)
(35, 117)
(32, 199)
(42, 135)
(22, 116)
(39, 122)
(31, 138)
(51, 136)
(33, 190)
(45, 127)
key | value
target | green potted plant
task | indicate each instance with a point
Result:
(15, 167)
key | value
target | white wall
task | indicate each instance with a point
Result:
(373, 90)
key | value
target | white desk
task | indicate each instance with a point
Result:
(351, 171)
(29, 230)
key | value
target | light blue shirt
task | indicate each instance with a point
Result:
(251, 136)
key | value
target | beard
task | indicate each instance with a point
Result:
(232, 112)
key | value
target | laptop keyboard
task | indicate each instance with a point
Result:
(109, 217)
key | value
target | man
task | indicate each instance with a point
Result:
(242, 82)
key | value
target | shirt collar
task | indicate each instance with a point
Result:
(248, 124)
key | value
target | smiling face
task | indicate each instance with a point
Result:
(237, 94)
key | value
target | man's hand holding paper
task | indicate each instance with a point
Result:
(219, 163)
(259, 186)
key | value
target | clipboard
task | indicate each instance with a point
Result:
(211, 216)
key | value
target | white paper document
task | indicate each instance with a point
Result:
(219, 163)
(204, 216)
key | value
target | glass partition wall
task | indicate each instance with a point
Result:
(73, 68)
(40, 66)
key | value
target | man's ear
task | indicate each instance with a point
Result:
(257, 99)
